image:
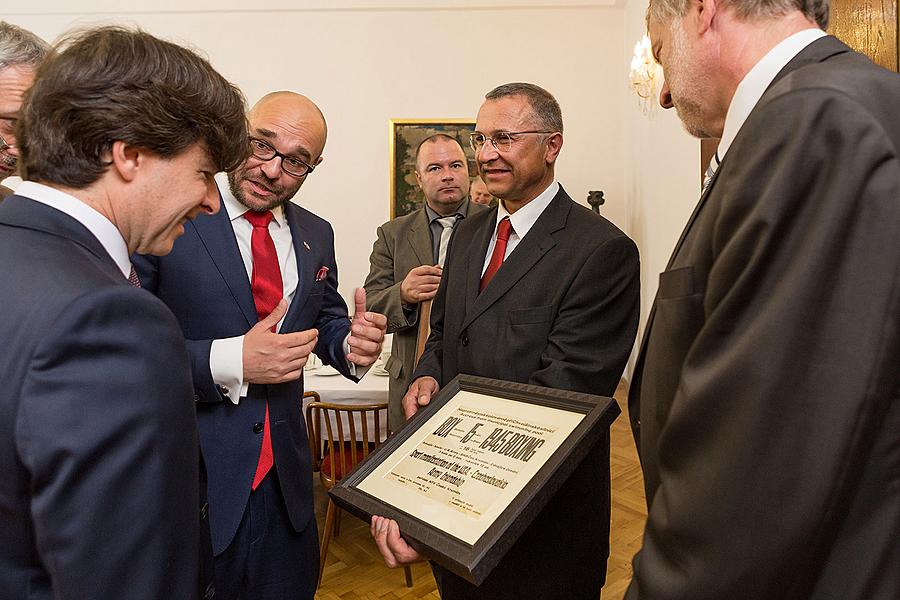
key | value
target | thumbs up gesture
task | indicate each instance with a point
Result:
(366, 332)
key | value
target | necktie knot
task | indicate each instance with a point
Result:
(504, 229)
(259, 218)
(447, 222)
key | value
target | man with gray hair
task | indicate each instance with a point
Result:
(765, 397)
(20, 53)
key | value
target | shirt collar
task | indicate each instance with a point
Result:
(235, 208)
(524, 219)
(462, 211)
(755, 82)
(99, 226)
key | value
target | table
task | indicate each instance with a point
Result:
(340, 390)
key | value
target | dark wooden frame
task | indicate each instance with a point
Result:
(475, 562)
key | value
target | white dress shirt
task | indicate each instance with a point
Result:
(522, 221)
(99, 226)
(755, 82)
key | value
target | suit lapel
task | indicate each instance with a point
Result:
(481, 240)
(217, 235)
(306, 267)
(527, 253)
(420, 239)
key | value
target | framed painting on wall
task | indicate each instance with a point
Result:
(405, 137)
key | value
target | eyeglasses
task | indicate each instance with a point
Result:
(289, 164)
(502, 141)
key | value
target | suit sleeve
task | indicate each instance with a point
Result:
(108, 434)
(333, 320)
(602, 308)
(382, 292)
(785, 385)
(205, 388)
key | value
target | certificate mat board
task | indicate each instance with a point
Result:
(467, 475)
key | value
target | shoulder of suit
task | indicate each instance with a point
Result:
(305, 218)
(403, 221)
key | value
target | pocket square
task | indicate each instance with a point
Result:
(323, 272)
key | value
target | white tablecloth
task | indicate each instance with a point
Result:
(340, 390)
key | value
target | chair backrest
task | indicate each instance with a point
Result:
(342, 435)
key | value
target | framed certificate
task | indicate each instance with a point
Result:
(467, 475)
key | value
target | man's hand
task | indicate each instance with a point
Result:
(394, 549)
(276, 357)
(420, 284)
(419, 394)
(366, 332)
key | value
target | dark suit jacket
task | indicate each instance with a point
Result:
(767, 386)
(403, 244)
(561, 312)
(205, 283)
(98, 441)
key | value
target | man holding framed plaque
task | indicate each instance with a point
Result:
(538, 290)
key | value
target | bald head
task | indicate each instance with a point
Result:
(294, 127)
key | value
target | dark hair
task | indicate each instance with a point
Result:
(543, 104)
(114, 84)
(435, 138)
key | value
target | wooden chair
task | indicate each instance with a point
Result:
(340, 437)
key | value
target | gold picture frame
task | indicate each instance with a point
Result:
(405, 137)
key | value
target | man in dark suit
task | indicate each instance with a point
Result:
(539, 290)
(255, 291)
(20, 53)
(99, 450)
(409, 253)
(765, 398)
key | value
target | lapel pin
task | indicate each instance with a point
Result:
(305, 245)
(323, 272)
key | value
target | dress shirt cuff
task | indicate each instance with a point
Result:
(226, 365)
(355, 369)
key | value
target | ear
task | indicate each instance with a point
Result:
(705, 15)
(418, 179)
(318, 161)
(554, 145)
(126, 159)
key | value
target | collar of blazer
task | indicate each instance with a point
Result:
(529, 251)
(818, 51)
(19, 211)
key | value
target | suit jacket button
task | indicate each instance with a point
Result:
(196, 397)
(210, 592)
(204, 511)
(257, 428)
(464, 339)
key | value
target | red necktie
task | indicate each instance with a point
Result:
(133, 278)
(267, 293)
(504, 228)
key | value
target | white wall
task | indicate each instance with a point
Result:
(367, 61)
(662, 181)
(365, 65)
